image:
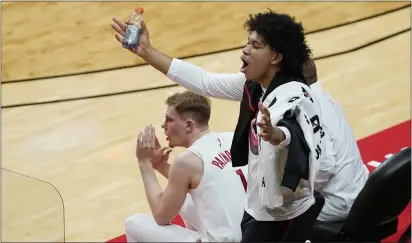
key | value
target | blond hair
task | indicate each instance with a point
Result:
(189, 103)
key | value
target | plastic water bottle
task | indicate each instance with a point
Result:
(133, 30)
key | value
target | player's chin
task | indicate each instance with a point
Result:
(171, 144)
(251, 76)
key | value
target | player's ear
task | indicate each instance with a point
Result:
(277, 58)
(189, 125)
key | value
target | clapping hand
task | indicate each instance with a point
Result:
(145, 145)
(148, 149)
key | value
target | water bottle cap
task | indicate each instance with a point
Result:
(139, 9)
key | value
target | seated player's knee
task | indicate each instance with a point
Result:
(138, 224)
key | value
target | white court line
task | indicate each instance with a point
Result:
(374, 163)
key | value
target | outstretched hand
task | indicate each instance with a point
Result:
(267, 132)
(265, 124)
(121, 27)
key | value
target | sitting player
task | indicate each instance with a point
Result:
(343, 175)
(202, 185)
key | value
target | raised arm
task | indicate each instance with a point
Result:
(222, 86)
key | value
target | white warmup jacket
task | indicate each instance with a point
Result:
(296, 99)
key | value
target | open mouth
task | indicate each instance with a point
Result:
(244, 64)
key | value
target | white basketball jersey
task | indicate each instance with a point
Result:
(219, 198)
(348, 172)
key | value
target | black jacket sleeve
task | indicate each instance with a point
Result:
(297, 164)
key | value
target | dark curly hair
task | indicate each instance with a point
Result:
(283, 35)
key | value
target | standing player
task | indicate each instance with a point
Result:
(213, 211)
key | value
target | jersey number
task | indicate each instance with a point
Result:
(242, 178)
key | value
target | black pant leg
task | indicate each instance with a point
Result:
(263, 231)
(297, 229)
(302, 225)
